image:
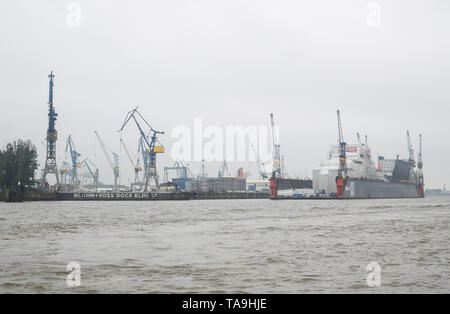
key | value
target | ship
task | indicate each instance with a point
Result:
(387, 178)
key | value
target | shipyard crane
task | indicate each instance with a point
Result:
(341, 178)
(203, 173)
(94, 174)
(188, 169)
(276, 157)
(115, 165)
(420, 183)
(223, 169)
(358, 137)
(65, 173)
(144, 152)
(135, 165)
(261, 167)
(52, 136)
(368, 152)
(180, 169)
(410, 149)
(411, 160)
(74, 158)
(149, 145)
(283, 173)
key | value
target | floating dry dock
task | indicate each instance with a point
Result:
(156, 196)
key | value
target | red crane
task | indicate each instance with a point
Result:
(341, 178)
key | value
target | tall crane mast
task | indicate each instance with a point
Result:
(52, 136)
(149, 146)
(203, 173)
(420, 183)
(144, 152)
(341, 178)
(135, 165)
(411, 160)
(74, 158)
(419, 157)
(276, 157)
(368, 152)
(115, 165)
(410, 149)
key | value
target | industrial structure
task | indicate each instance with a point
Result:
(420, 181)
(349, 172)
(276, 157)
(411, 160)
(93, 171)
(114, 165)
(261, 166)
(136, 165)
(223, 170)
(148, 146)
(180, 169)
(52, 135)
(280, 185)
(341, 178)
(65, 173)
(74, 158)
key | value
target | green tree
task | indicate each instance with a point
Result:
(18, 163)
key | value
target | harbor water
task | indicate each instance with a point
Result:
(226, 246)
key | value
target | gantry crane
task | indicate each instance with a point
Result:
(144, 152)
(411, 160)
(203, 173)
(261, 167)
(276, 157)
(65, 173)
(368, 152)
(223, 169)
(341, 178)
(74, 158)
(149, 146)
(94, 174)
(420, 183)
(135, 165)
(410, 149)
(115, 165)
(180, 169)
(358, 138)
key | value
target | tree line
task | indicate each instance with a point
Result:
(18, 164)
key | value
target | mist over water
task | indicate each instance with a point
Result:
(229, 246)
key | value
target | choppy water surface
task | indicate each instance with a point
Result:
(229, 246)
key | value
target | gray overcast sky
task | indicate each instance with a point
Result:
(231, 62)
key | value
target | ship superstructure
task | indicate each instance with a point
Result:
(365, 177)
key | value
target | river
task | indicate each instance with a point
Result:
(226, 246)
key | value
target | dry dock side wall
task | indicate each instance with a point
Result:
(376, 189)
